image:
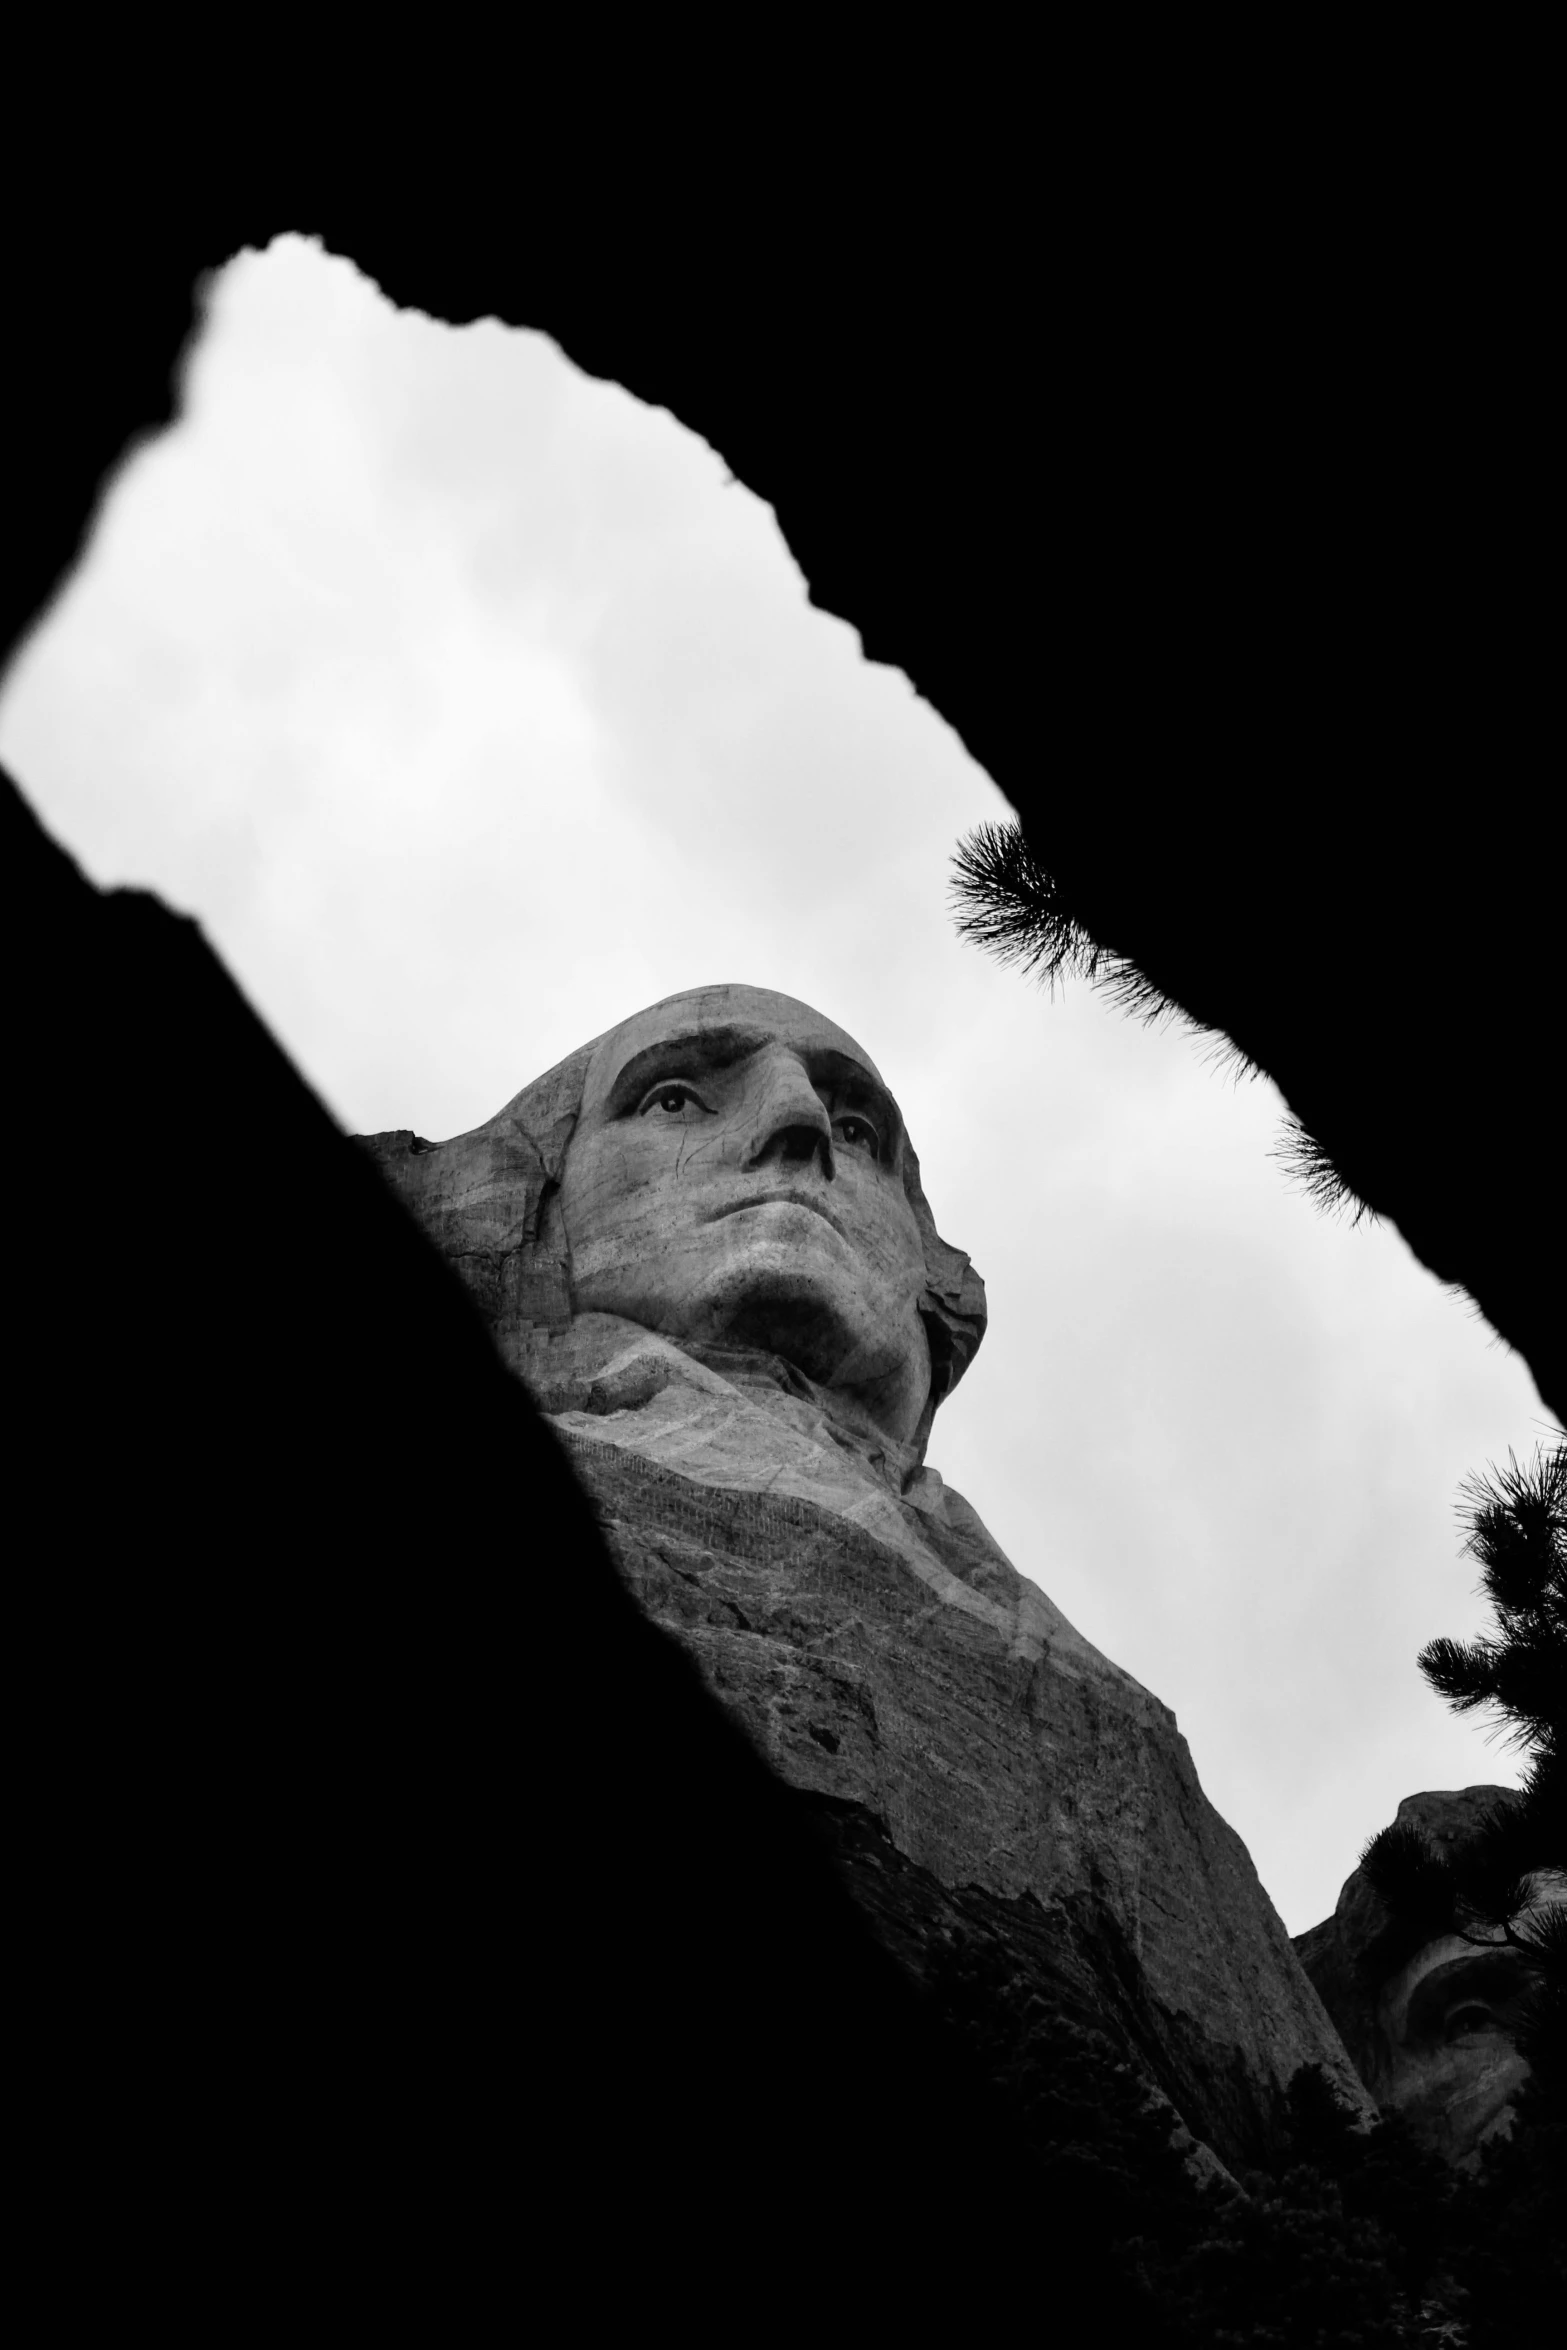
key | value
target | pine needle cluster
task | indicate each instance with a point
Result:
(1308, 1164)
(1011, 905)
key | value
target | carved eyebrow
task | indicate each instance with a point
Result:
(694, 1053)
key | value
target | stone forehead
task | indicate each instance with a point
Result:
(733, 1005)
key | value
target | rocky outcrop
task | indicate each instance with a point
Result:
(978, 1761)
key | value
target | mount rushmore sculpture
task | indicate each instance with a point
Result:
(703, 1243)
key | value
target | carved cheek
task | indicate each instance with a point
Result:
(602, 1185)
(906, 1256)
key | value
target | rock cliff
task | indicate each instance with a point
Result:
(974, 1759)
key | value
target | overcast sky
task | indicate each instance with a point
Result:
(470, 706)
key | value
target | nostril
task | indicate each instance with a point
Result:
(797, 1146)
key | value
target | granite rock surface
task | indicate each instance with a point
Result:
(886, 1657)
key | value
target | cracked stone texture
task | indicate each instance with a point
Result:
(883, 1654)
(881, 1651)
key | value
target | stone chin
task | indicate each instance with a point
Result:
(780, 1308)
(776, 1278)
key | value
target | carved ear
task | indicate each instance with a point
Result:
(490, 1200)
(953, 1306)
(952, 1303)
(545, 1115)
(541, 1297)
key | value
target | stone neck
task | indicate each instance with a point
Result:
(603, 1363)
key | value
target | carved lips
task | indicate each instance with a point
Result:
(783, 1199)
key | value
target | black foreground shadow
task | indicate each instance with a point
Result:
(403, 1932)
(400, 1910)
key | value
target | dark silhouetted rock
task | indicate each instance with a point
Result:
(395, 1915)
(1273, 465)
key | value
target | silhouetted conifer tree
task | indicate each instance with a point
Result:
(1013, 907)
(1010, 904)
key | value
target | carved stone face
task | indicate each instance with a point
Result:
(1449, 2017)
(1449, 2020)
(735, 1177)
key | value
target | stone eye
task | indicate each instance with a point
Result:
(859, 1133)
(672, 1098)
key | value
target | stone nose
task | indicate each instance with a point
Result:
(791, 1127)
